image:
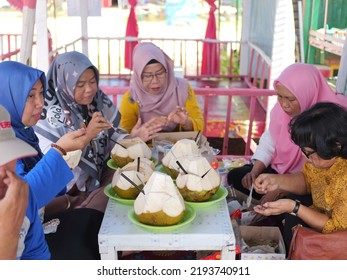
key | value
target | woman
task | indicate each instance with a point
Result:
(157, 96)
(14, 192)
(73, 87)
(321, 134)
(298, 87)
(23, 89)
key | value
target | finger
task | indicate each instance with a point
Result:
(138, 125)
(17, 185)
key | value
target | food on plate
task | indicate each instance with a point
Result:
(181, 149)
(121, 183)
(127, 150)
(161, 204)
(197, 180)
(230, 163)
(142, 165)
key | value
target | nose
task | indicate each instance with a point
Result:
(39, 101)
(89, 87)
(285, 103)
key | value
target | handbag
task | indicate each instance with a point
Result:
(308, 244)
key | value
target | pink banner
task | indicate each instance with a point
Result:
(19, 4)
(210, 51)
(132, 30)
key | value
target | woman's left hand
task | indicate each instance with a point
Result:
(276, 207)
(180, 116)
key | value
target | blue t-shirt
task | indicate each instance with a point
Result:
(49, 176)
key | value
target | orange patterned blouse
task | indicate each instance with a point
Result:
(329, 192)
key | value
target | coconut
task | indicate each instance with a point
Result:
(162, 204)
(128, 150)
(200, 182)
(146, 167)
(123, 187)
(73, 158)
(181, 149)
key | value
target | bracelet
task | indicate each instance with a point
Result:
(296, 208)
(68, 202)
(60, 149)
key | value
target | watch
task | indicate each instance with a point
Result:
(296, 208)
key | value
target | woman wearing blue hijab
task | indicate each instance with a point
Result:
(18, 81)
(22, 93)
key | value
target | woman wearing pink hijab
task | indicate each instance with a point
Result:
(298, 87)
(156, 96)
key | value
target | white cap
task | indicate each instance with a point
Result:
(11, 147)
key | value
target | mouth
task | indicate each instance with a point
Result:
(156, 89)
(37, 116)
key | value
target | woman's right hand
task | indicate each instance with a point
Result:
(96, 125)
(148, 130)
(248, 179)
(266, 183)
(74, 140)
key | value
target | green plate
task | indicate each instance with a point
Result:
(188, 216)
(219, 195)
(109, 191)
(160, 168)
(111, 164)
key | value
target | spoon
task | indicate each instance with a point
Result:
(249, 198)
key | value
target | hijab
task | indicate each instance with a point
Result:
(309, 86)
(62, 78)
(17, 80)
(174, 92)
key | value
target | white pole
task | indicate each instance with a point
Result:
(84, 25)
(301, 32)
(42, 36)
(27, 35)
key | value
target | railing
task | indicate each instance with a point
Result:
(107, 54)
(186, 53)
(227, 94)
(9, 46)
(326, 42)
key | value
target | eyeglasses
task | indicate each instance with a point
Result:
(307, 154)
(147, 78)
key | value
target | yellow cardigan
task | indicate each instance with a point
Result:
(329, 192)
(130, 111)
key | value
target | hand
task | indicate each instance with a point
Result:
(272, 196)
(97, 124)
(13, 205)
(266, 183)
(148, 130)
(275, 208)
(74, 140)
(180, 116)
(248, 179)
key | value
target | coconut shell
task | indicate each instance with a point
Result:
(201, 181)
(162, 204)
(125, 189)
(180, 150)
(134, 148)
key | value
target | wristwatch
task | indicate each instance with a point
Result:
(296, 208)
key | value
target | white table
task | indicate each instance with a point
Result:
(210, 230)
